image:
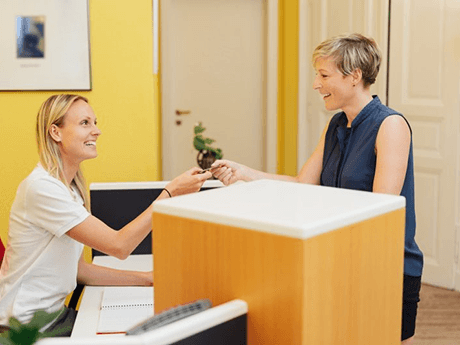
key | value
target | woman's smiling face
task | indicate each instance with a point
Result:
(78, 134)
(336, 89)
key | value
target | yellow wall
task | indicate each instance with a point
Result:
(125, 99)
(288, 67)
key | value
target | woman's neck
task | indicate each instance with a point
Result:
(70, 171)
(359, 101)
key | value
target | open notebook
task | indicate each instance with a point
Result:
(124, 307)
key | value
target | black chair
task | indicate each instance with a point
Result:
(76, 294)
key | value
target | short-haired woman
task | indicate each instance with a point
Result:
(50, 220)
(367, 146)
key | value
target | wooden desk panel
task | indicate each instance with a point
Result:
(353, 283)
(344, 286)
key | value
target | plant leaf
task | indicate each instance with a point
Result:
(5, 340)
(24, 336)
(200, 138)
(219, 154)
(14, 323)
(201, 143)
(199, 128)
(198, 143)
(41, 318)
(29, 333)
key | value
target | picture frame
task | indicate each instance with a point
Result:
(44, 45)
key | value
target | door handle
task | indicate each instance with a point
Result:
(182, 112)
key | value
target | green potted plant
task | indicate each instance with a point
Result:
(206, 153)
(28, 333)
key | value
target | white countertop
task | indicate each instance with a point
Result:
(84, 331)
(90, 305)
(284, 208)
(144, 185)
(168, 334)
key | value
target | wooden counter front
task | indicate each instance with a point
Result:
(338, 287)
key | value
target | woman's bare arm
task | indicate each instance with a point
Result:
(392, 149)
(90, 274)
(96, 234)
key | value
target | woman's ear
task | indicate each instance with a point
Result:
(55, 133)
(357, 76)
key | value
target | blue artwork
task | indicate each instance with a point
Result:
(30, 33)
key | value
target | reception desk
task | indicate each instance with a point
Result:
(316, 265)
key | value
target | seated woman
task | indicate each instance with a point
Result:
(50, 220)
(366, 146)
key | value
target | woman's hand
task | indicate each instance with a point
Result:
(229, 172)
(188, 182)
(147, 278)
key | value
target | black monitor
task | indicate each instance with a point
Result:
(117, 204)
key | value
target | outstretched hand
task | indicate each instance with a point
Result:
(188, 182)
(229, 172)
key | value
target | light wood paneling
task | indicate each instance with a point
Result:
(353, 288)
(341, 287)
(195, 260)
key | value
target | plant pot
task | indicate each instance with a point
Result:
(205, 158)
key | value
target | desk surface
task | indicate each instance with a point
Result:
(285, 208)
(144, 185)
(88, 313)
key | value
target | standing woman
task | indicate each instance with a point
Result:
(366, 146)
(50, 220)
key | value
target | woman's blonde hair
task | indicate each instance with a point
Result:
(52, 112)
(352, 51)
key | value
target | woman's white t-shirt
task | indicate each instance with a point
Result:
(40, 265)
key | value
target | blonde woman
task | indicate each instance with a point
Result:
(50, 219)
(366, 146)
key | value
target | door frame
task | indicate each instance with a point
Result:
(302, 107)
(271, 87)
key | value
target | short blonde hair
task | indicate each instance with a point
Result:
(351, 52)
(52, 112)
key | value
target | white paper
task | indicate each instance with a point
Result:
(124, 307)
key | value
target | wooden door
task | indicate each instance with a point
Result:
(424, 86)
(218, 62)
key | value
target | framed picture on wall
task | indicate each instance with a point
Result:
(44, 45)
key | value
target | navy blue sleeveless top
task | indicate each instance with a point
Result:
(349, 161)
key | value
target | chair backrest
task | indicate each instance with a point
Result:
(2, 251)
